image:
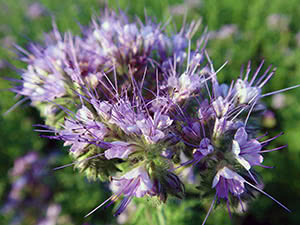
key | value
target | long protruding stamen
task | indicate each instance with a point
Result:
(274, 149)
(271, 139)
(241, 203)
(280, 91)
(80, 161)
(253, 178)
(15, 106)
(267, 79)
(256, 73)
(248, 71)
(99, 206)
(112, 198)
(210, 209)
(228, 208)
(256, 188)
(249, 113)
(263, 76)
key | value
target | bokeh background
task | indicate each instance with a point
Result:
(31, 193)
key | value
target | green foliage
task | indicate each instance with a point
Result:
(254, 40)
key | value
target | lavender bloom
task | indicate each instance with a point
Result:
(119, 149)
(192, 131)
(35, 10)
(204, 149)
(137, 123)
(43, 79)
(220, 106)
(152, 128)
(83, 131)
(27, 174)
(184, 86)
(135, 183)
(224, 32)
(123, 115)
(205, 111)
(247, 152)
(245, 93)
(103, 108)
(228, 181)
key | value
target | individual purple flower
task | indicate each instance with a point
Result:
(103, 108)
(226, 181)
(192, 131)
(152, 128)
(134, 121)
(82, 131)
(220, 106)
(135, 183)
(247, 152)
(40, 86)
(22, 163)
(35, 10)
(245, 93)
(181, 87)
(123, 115)
(119, 149)
(224, 32)
(184, 86)
(204, 149)
(205, 111)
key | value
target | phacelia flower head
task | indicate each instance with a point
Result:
(136, 104)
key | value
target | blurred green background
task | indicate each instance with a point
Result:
(239, 31)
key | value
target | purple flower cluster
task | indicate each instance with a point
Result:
(139, 103)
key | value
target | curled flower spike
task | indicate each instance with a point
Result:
(43, 79)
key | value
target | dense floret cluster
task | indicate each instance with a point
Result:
(137, 105)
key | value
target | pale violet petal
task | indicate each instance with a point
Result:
(236, 148)
(243, 162)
